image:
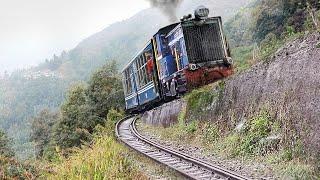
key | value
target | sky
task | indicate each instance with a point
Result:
(33, 30)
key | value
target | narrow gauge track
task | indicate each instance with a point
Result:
(188, 166)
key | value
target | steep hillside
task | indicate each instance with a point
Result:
(286, 86)
(268, 115)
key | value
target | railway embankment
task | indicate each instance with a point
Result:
(269, 115)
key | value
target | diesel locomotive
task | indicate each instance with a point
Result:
(177, 59)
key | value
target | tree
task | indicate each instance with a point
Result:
(105, 90)
(274, 16)
(41, 130)
(71, 129)
(88, 106)
(5, 145)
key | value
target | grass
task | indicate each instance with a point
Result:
(297, 170)
(105, 159)
(243, 57)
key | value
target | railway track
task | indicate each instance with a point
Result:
(188, 166)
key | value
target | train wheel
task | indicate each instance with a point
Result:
(173, 89)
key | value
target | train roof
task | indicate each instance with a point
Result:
(137, 54)
(165, 29)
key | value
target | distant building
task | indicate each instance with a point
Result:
(31, 75)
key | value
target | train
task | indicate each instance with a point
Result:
(177, 59)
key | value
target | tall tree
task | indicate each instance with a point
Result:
(5, 145)
(88, 106)
(71, 128)
(105, 90)
(41, 130)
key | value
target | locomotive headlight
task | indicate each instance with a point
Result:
(201, 13)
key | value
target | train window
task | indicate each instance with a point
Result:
(143, 76)
(137, 61)
(128, 77)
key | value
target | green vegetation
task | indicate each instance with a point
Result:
(251, 139)
(200, 98)
(41, 134)
(243, 57)
(260, 29)
(5, 146)
(21, 99)
(104, 159)
(86, 106)
(78, 142)
(297, 170)
(11, 168)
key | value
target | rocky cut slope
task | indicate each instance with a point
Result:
(285, 89)
(287, 86)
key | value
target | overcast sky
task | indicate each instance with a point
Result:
(33, 30)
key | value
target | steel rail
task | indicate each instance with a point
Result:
(185, 164)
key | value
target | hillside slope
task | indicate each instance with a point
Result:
(269, 114)
(287, 86)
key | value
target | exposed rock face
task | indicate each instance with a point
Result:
(288, 85)
(164, 115)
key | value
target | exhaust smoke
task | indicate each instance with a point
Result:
(168, 7)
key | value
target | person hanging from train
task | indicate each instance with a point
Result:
(149, 65)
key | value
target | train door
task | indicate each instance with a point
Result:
(179, 53)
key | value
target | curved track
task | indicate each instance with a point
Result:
(188, 166)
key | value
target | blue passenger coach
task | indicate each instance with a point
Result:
(140, 80)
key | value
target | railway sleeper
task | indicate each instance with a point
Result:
(156, 152)
(158, 155)
(173, 163)
(165, 160)
(206, 176)
(184, 167)
(197, 173)
(191, 169)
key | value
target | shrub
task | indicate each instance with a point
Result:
(257, 130)
(191, 127)
(211, 133)
(229, 145)
(12, 169)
